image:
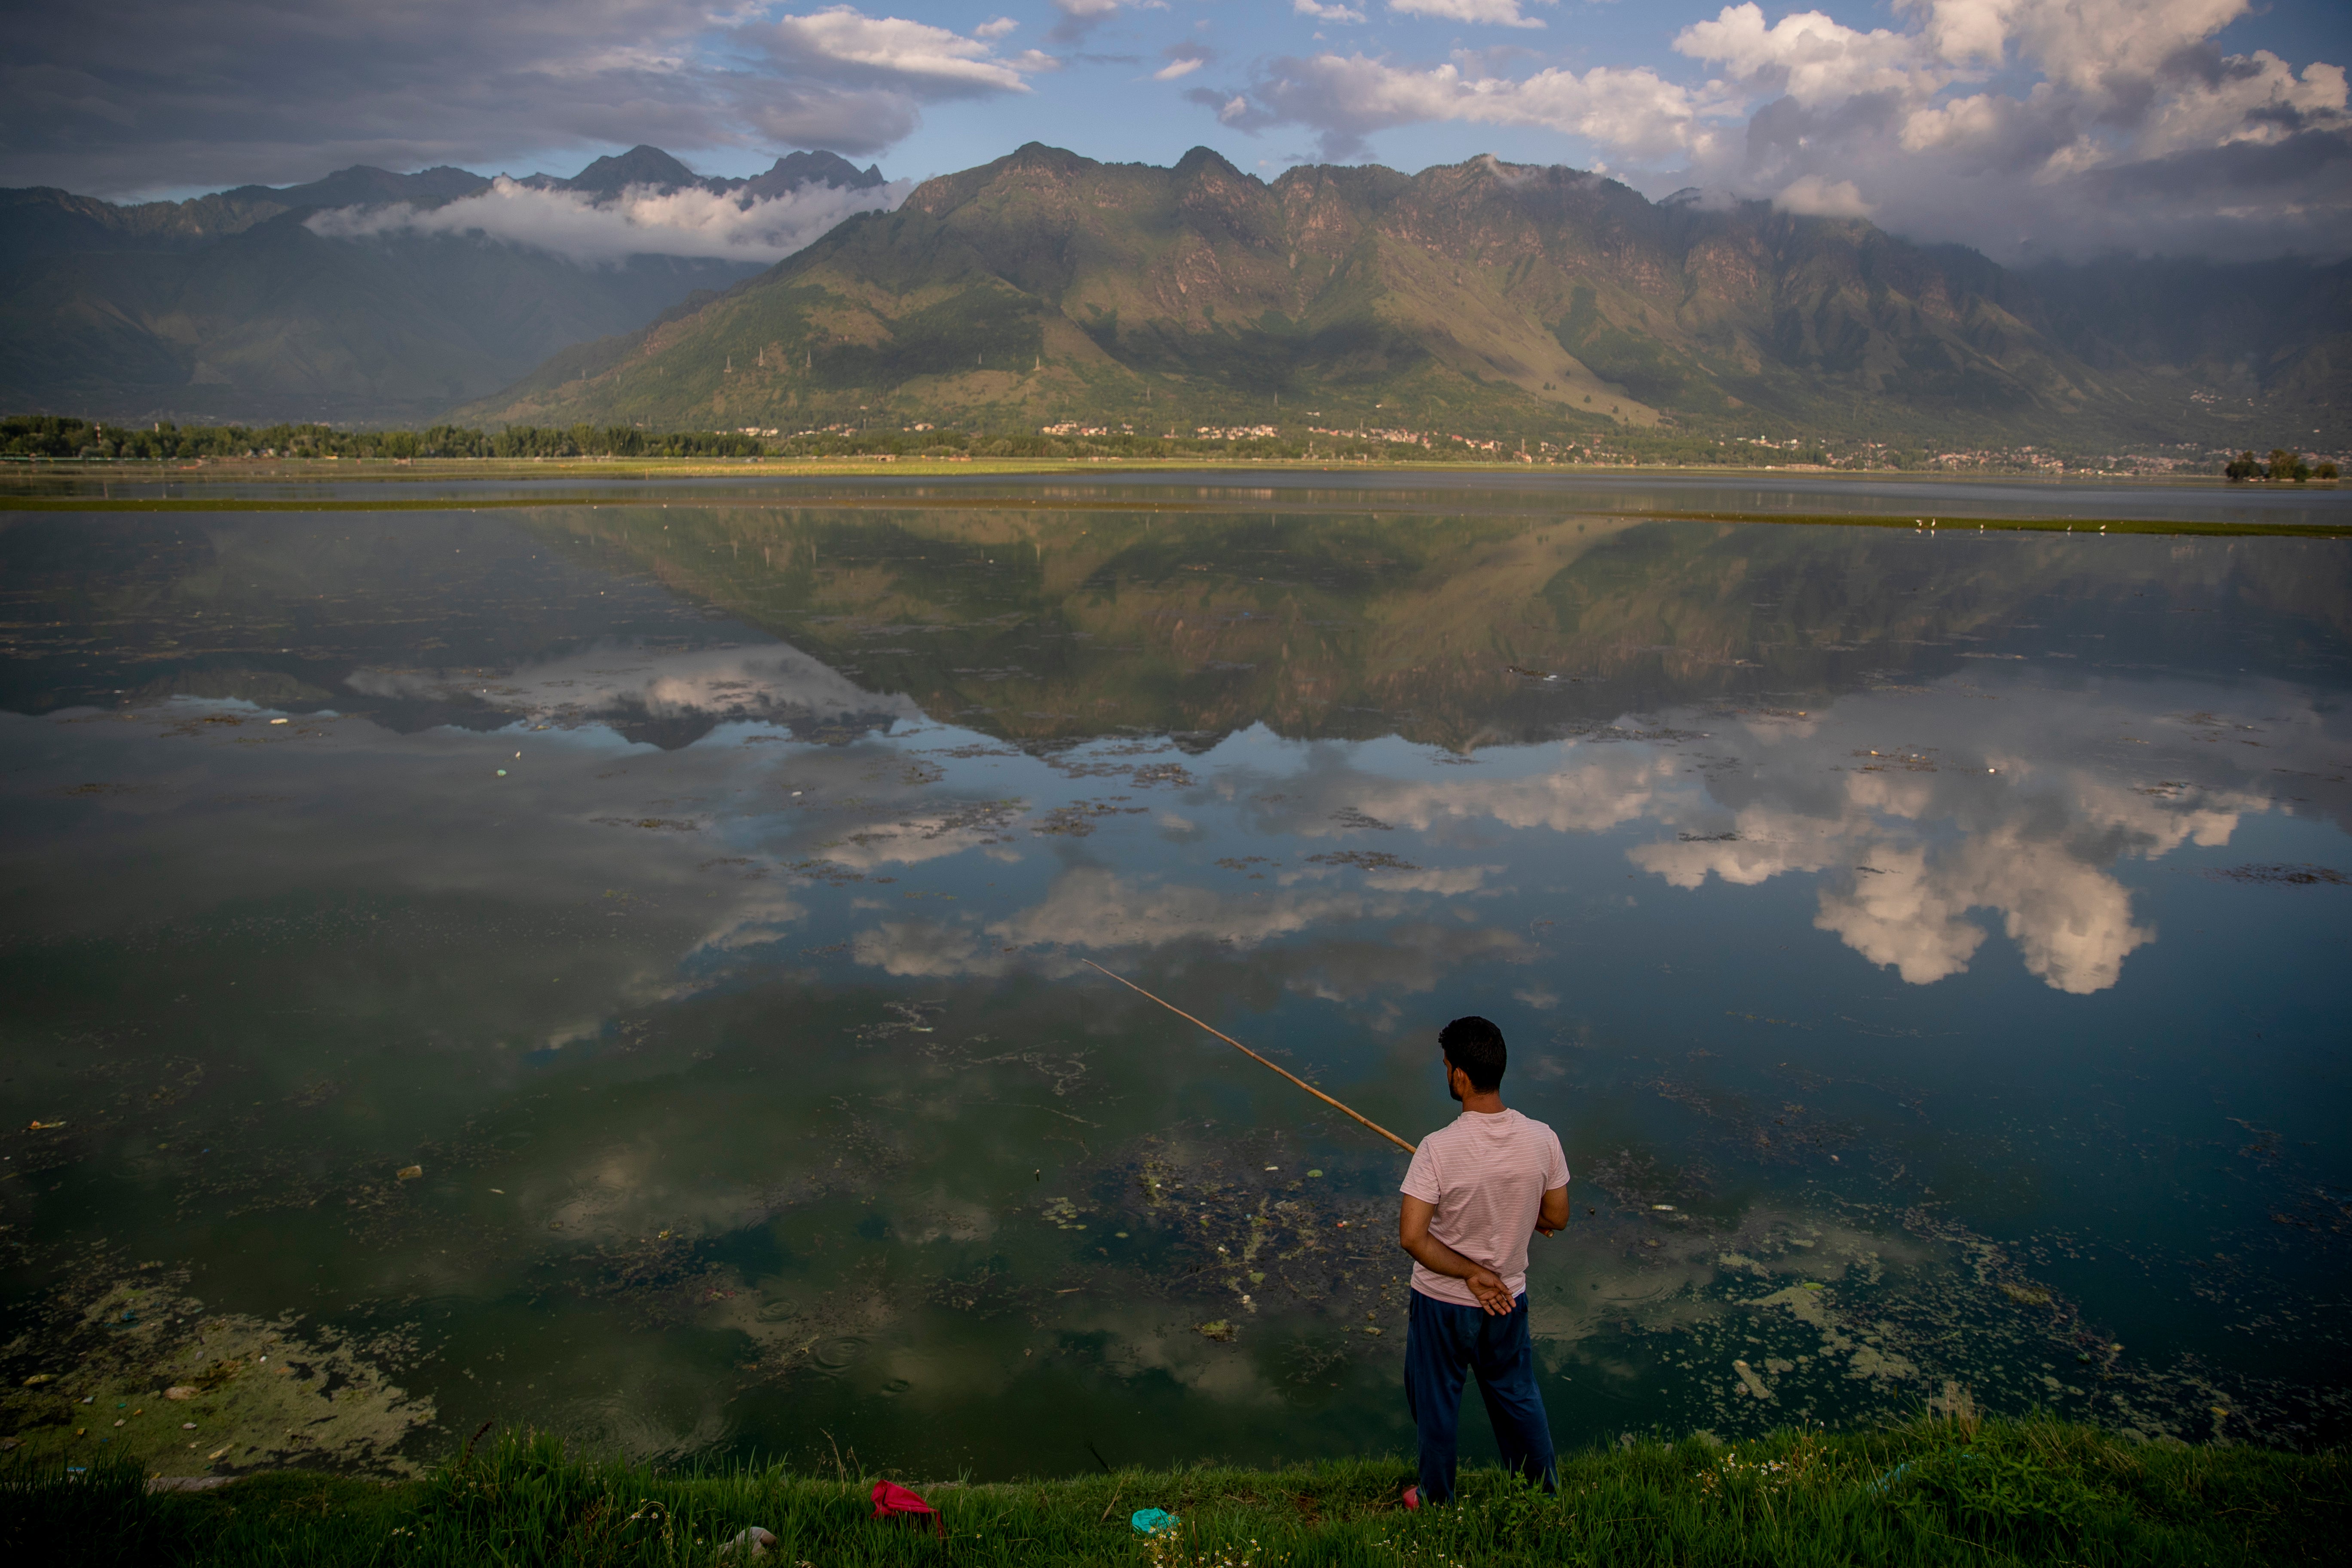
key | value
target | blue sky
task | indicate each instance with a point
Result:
(2023, 126)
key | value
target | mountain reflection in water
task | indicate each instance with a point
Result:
(1946, 928)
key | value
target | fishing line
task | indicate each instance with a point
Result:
(1253, 1056)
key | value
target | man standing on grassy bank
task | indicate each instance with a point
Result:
(1476, 1192)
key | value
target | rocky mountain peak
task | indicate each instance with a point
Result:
(640, 166)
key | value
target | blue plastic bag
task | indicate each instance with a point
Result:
(1151, 1520)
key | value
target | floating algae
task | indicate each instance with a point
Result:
(212, 1393)
(1869, 1315)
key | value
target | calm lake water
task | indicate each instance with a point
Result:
(622, 967)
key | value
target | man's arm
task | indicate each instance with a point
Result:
(1413, 1234)
(1554, 1214)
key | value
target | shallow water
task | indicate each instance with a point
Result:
(1949, 927)
(1383, 493)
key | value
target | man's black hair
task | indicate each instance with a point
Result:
(1476, 1047)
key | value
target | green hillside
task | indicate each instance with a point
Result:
(1524, 303)
(278, 322)
(230, 306)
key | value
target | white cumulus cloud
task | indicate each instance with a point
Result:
(1813, 58)
(1493, 12)
(1348, 97)
(892, 50)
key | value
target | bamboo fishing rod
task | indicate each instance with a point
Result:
(1253, 1056)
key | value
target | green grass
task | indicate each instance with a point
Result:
(2032, 1491)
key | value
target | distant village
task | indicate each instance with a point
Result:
(1793, 454)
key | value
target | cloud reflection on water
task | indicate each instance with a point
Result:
(1907, 847)
(1913, 842)
(624, 684)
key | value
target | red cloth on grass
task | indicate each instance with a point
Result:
(894, 1501)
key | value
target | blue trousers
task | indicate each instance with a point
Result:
(1442, 1341)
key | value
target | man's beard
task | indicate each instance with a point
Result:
(1452, 1090)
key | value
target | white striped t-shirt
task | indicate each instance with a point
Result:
(1488, 1174)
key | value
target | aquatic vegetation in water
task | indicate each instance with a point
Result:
(210, 1392)
(2284, 876)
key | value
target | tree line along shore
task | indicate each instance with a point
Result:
(47, 440)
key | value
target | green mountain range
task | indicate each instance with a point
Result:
(1500, 302)
(1529, 303)
(230, 306)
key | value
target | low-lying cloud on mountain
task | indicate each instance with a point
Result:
(640, 220)
(389, 296)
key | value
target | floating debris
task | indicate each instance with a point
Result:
(1364, 860)
(752, 1540)
(2269, 876)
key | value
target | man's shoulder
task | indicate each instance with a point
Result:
(1526, 1128)
(1530, 1127)
(1450, 1135)
(1470, 1131)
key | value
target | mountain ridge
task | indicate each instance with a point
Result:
(1043, 287)
(649, 167)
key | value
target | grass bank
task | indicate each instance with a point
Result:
(1930, 1493)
